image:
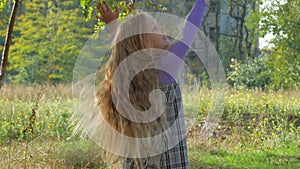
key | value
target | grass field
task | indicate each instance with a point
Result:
(257, 130)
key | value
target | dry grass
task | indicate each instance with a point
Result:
(50, 154)
(29, 93)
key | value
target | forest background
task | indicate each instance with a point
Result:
(260, 123)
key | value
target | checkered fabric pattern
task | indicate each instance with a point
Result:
(177, 156)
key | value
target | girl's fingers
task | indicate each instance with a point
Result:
(117, 9)
(106, 13)
(100, 9)
(106, 5)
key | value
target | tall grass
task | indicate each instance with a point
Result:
(54, 109)
(31, 115)
(252, 119)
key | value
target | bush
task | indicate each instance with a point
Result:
(251, 74)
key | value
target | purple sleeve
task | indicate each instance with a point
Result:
(172, 63)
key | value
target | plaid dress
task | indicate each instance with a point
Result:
(177, 156)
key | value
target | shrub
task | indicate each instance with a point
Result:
(251, 74)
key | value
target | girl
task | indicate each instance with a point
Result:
(127, 42)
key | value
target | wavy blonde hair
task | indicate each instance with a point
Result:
(128, 40)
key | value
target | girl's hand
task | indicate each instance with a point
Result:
(107, 15)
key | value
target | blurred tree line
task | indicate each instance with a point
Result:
(47, 38)
(49, 34)
(278, 65)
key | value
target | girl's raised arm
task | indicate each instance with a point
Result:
(180, 49)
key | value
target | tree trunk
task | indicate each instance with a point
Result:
(7, 42)
(217, 26)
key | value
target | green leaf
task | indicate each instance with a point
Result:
(2, 4)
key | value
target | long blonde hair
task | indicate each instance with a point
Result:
(127, 42)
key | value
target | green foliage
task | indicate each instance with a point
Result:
(286, 69)
(238, 31)
(48, 36)
(177, 7)
(51, 36)
(86, 9)
(3, 28)
(252, 74)
(89, 10)
(282, 20)
(2, 4)
(4, 17)
(279, 68)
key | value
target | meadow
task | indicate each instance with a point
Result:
(258, 129)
